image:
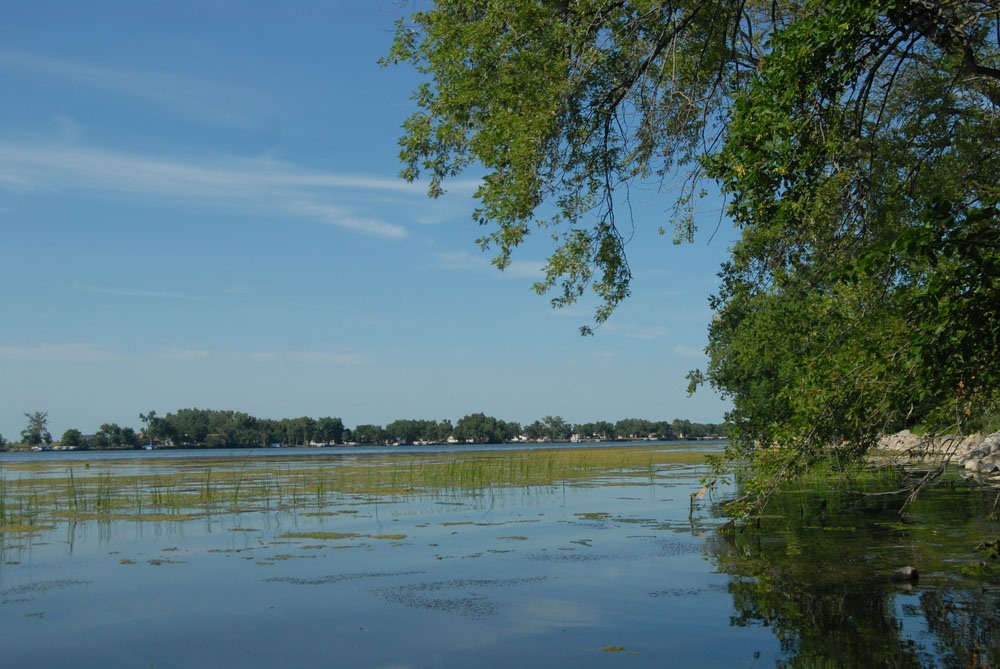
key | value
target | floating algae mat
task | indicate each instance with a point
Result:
(439, 557)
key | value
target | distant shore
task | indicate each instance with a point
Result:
(57, 448)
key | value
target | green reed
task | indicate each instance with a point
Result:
(188, 489)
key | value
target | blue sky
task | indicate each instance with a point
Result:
(200, 207)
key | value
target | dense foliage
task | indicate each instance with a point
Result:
(855, 143)
(862, 165)
(228, 429)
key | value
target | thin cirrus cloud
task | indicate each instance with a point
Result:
(180, 95)
(518, 269)
(61, 353)
(344, 218)
(636, 330)
(343, 359)
(87, 353)
(182, 354)
(326, 358)
(135, 292)
(243, 184)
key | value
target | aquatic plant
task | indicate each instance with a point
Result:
(38, 494)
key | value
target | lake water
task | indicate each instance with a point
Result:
(501, 558)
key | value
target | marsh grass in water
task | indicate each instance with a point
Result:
(36, 495)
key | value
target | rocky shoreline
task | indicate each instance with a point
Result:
(978, 455)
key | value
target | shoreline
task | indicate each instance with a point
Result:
(977, 455)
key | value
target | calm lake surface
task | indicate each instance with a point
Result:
(513, 557)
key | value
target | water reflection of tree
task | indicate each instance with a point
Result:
(820, 618)
(816, 572)
(966, 625)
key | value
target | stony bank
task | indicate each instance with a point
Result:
(978, 455)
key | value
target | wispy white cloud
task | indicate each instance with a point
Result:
(67, 127)
(207, 100)
(54, 165)
(190, 97)
(335, 358)
(243, 184)
(463, 261)
(646, 332)
(56, 353)
(635, 330)
(15, 181)
(518, 269)
(182, 354)
(689, 351)
(342, 217)
(457, 206)
(326, 358)
(525, 269)
(135, 292)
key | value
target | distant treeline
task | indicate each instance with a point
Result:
(208, 428)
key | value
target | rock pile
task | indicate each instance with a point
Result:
(977, 454)
(985, 458)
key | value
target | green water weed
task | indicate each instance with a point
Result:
(192, 488)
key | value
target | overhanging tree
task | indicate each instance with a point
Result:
(855, 142)
(862, 296)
